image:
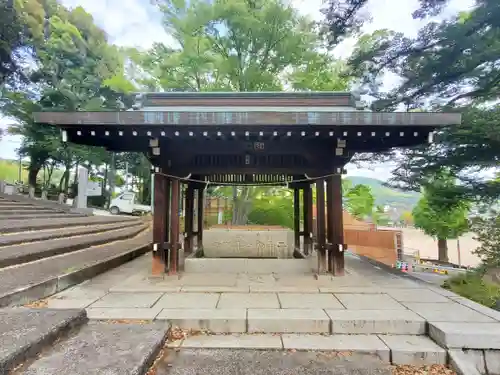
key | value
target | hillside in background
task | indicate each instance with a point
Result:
(401, 200)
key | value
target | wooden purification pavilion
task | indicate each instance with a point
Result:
(284, 138)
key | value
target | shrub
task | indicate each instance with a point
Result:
(472, 286)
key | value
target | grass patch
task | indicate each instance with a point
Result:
(9, 171)
(472, 286)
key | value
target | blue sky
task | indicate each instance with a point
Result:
(136, 23)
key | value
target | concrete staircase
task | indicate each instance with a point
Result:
(15, 207)
(42, 341)
(44, 250)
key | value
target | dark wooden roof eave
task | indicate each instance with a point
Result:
(238, 119)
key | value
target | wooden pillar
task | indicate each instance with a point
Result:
(335, 225)
(189, 219)
(296, 217)
(174, 228)
(199, 234)
(159, 224)
(166, 250)
(321, 226)
(308, 200)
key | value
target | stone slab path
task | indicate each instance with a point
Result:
(369, 311)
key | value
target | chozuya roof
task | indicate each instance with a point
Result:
(247, 108)
(238, 118)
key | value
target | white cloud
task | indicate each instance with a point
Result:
(136, 23)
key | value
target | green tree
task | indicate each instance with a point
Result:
(487, 230)
(76, 69)
(238, 45)
(450, 65)
(406, 218)
(439, 214)
(467, 150)
(360, 201)
(379, 216)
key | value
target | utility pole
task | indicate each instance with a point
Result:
(20, 168)
(111, 177)
(126, 176)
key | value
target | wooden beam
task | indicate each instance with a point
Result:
(335, 225)
(174, 228)
(189, 219)
(159, 225)
(201, 205)
(308, 202)
(296, 218)
(321, 226)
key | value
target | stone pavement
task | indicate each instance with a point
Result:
(367, 311)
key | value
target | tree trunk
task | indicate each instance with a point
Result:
(442, 250)
(64, 183)
(32, 174)
(235, 205)
(75, 179)
(242, 206)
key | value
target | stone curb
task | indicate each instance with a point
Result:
(31, 349)
(57, 284)
(75, 245)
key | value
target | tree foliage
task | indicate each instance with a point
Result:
(452, 64)
(238, 45)
(439, 214)
(73, 68)
(360, 201)
(487, 230)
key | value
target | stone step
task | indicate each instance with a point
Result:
(18, 206)
(396, 349)
(29, 252)
(470, 335)
(102, 348)
(25, 332)
(32, 281)
(267, 362)
(53, 214)
(4, 202)
(32, 236)
(27, 211)
(13, 226)
(237, 320)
